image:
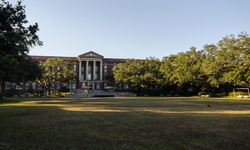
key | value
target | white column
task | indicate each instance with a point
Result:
(100, 70)
(87, 69)
(94, 70)
(80, 70)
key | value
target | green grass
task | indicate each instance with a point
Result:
(124, 123)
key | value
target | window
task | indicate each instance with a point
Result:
(125, 86)
(20, 86)
(14, 86)
(82, 77)
(39, 87)
(73, 86)
(96, 72)
(89, 72)
(97, 86)
(105, 71)
(27, 85)
(82, 73)
(33, 85)
(58, 86)
(82, 70)
(7, 85)
(74, 67)
(84, 85)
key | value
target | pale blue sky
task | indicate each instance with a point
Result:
(133, 28)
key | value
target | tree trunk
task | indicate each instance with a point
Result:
(48, 90)
(1, 87)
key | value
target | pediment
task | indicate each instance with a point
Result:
(90, 54)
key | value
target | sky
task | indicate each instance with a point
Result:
(133, 28)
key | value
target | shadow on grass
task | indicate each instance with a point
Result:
(122, 124)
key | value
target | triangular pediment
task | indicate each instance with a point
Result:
(90, 54)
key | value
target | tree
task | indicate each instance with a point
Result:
(210, 67)
(228, 61)
(56, 70)
(149, 74)
(16, 40)
(183, 70)
(142, 74)
(167, 68)
(126, 72)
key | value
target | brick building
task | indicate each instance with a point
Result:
(92, 70)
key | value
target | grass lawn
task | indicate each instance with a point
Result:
(125, 123)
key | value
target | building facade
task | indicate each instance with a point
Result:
(93, 72)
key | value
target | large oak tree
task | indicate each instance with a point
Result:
(56, 70)
(228, 61)
(142, 74)
(184, 70)
(16, 40)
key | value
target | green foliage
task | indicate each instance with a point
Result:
(213, 69)
(223, 94)
(232, 94)
(39, 94)
(16, 40)
(142, 74)
(202, 93)
(59, 94)
(228, 61)
(184, 68)
(56, 70)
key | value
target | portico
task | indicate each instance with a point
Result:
(90, 71)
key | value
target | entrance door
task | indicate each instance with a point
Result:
(90, 85)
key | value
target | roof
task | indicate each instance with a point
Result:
(90, 54)
(47, 57)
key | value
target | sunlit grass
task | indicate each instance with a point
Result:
(125, 123)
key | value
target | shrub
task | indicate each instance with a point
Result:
(231, 94)
(59, 94)
(223, 94)
(40, 94)
(63, 94)
(55, 93)
(202, 93)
